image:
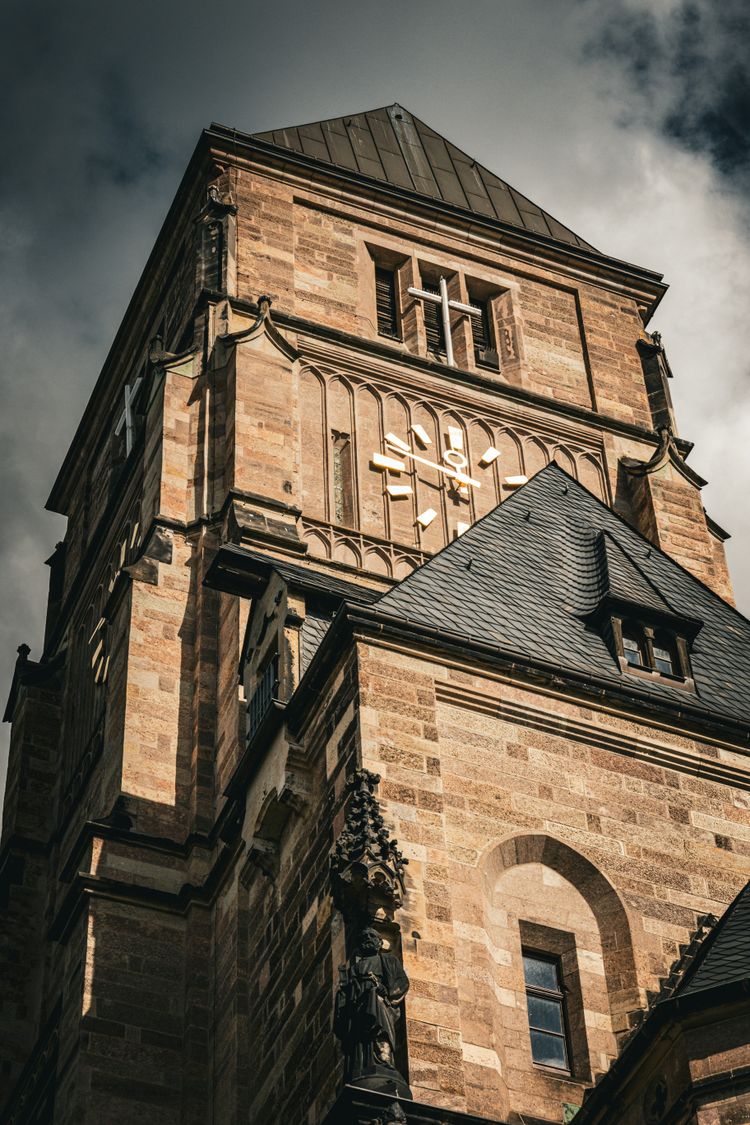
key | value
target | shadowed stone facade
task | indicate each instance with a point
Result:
(191, 845)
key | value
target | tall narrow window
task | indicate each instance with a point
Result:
(546, 1007)
(433, 321)
(386, 303)
(482, 334)
(343, 480)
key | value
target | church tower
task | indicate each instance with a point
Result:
(386, 754)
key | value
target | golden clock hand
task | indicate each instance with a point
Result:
(460, 477)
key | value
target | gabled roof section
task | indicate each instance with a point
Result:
(393, 146)
(523, 578)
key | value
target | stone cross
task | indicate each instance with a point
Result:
(126, 418)
(446, 304)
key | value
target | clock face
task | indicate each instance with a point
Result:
(403, 457)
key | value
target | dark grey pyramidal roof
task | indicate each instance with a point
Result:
(528, 578)
(393, 146)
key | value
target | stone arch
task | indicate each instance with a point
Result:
(605, 904)
(318, 544)
(591, 476)
(378, 562)
(535, 456)
(565, 459)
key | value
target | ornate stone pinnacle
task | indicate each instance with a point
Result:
(366, 866)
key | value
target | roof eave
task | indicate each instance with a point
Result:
(372, 621)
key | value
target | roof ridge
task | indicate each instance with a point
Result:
(407, 153)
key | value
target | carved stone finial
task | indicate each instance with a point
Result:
(23, 653)
(656, 339)
(366, 866)
(264, 304)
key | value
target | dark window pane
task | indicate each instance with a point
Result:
(546, 1015)
(548, 1050)
(664, 661)
(540, 973)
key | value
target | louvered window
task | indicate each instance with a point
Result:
(482, 334)
(386, 303)
(433, 322)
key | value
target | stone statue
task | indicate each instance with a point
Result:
(367, 1013)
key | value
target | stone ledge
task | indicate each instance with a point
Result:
(361, 1107)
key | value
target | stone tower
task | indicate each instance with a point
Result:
(386, 756)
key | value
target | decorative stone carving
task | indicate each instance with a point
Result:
(263, 326)
(393, 1114)
(367, 867)
(371, 987)
(666, 451)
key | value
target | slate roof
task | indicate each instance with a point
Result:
(393, 146)
(724, 957)
(525, 578)
(621, 577)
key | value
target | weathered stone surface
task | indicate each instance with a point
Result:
(178, 963)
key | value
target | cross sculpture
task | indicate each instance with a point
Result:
(126, 418)
(446, 304)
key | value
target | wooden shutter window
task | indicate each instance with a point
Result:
(386, 304)
(482, 335)
(433, 322)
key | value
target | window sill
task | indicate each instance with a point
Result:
(684, 683)
(553, 1071)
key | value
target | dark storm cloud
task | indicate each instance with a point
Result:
(688, 65)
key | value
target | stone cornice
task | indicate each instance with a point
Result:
(603, 738)
(370, 625)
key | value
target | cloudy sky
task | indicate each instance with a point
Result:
(627, 119)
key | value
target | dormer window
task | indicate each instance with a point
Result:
(653, 652)
(647, 635)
